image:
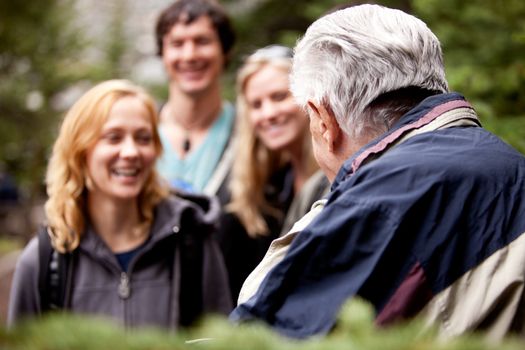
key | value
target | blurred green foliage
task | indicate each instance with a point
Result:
(43, 54)
(484, 45)
(34, 67)
(354, 330)
(484, 48)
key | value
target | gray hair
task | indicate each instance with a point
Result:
(348, 58)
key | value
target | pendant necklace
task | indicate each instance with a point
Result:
(186, 144)
(186, 139)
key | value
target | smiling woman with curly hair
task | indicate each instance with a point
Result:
(140, 255)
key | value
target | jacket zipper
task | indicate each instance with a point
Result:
(124, 289)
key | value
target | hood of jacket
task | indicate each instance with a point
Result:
(171, 216)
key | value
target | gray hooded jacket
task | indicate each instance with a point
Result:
(175, 278)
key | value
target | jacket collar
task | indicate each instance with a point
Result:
(169, 214)
(425, 113)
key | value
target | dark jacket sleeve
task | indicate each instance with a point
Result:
(309, 280)
(24, 299)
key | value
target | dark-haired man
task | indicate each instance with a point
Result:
(194, 40)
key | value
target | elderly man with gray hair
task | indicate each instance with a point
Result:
(425, 216)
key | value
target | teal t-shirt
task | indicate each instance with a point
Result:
(193, 172)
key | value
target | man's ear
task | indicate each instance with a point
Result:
(327, 124)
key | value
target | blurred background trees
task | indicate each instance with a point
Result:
(53, 50)
(484, 46)
(45, 64)
(38, 60)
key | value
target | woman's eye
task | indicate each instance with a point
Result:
(112, 137)
(280, 96)
(144, 138)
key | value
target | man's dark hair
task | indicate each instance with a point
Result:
(187, 11)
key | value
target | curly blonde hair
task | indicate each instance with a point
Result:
(254, 162)
(66, 172)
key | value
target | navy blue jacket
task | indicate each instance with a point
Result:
(433, 206)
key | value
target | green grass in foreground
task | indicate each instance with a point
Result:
(355, 330)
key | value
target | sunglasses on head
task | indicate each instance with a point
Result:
(272, 51)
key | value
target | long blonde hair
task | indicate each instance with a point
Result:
(254, 162)
(66, 172)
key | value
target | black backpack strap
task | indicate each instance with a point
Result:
(45, 253)
(54, 274)
(190, 298)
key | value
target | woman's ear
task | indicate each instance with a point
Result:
(88, 182)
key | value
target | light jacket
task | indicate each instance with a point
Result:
(425, 220)
(175, 278)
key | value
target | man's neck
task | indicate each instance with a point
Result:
(192, 112)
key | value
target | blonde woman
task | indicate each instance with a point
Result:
(127, 235)
(273, 161)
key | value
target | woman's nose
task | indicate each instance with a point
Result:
(129, 148)
(269, 110)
